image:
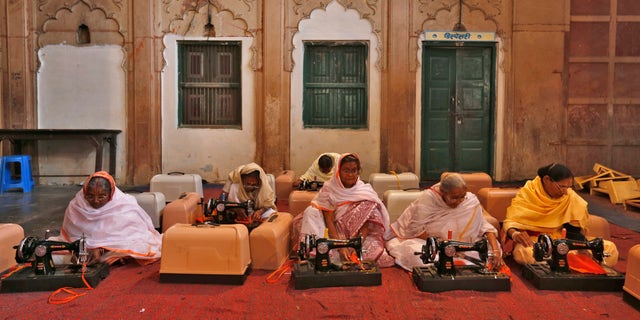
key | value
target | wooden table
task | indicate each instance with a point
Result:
(97, 138)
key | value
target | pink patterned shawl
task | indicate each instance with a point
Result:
(354, 208)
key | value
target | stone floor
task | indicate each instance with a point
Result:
(39, 210)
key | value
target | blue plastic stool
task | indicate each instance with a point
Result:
(24, 182)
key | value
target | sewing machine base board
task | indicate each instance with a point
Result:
(544, 278)
(304, 276)
(231, 279)
(466, 278)
(631, 300)
(25, 280)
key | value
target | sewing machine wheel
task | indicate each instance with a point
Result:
(322, 247)
(25, 250)
(306, 246)
(450, 251)
(543, 248)
(431, 249)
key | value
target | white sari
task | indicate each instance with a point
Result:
(121, 225)
(431, 215)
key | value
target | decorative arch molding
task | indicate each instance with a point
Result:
(370, 10)
(478, 15)
(229, 19)
(57, 21)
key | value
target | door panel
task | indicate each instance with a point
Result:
(436, 128)
(457, 110)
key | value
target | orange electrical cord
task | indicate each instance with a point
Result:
(275, 276)
(71, 295)
(15, 269)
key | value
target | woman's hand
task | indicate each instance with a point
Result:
(257, 215)
(94, 256)
(521, 237)
(495, 261)
(364, 231)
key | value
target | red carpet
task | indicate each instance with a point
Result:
(134, 292)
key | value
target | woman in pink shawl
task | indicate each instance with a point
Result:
(347, 207)
(114, 225)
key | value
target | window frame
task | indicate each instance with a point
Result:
(220, 86)
(342, 94)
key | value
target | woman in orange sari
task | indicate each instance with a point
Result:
(547, 204)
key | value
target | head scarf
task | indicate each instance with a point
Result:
(266, 195)
(333, 193)
(100, 174)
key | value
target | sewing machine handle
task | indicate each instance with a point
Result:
(208, 208)
(83, 254)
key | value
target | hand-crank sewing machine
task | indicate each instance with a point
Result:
(553, 271)
(39, 251)
(320, 271)
(221, 211)
(310, 185)
(555, 251)
(44, 275)
(442, 274)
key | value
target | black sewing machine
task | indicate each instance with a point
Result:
(39, 251)
(43, 274)
(318, 272)
(443, 275)
(555, 251)
(323, 247)
(221, 211)
(446, 251)
(552, 272)
(310, 185)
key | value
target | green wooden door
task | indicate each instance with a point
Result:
(457, 104)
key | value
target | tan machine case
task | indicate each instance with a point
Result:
(205, 253)
(299, 200)
(270, 242)
(183, 210)
(10, 235)
(172, 185)
(382, 182)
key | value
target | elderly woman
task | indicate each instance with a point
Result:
(249, 182)
(547, 204)
(347, 207)
(114, 225)
(444, 208)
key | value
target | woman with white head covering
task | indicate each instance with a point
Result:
(249, 182)
(114, 225)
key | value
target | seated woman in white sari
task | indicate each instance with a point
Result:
(347, 207)
(444, 208)
(249, 182)
(114, 225)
